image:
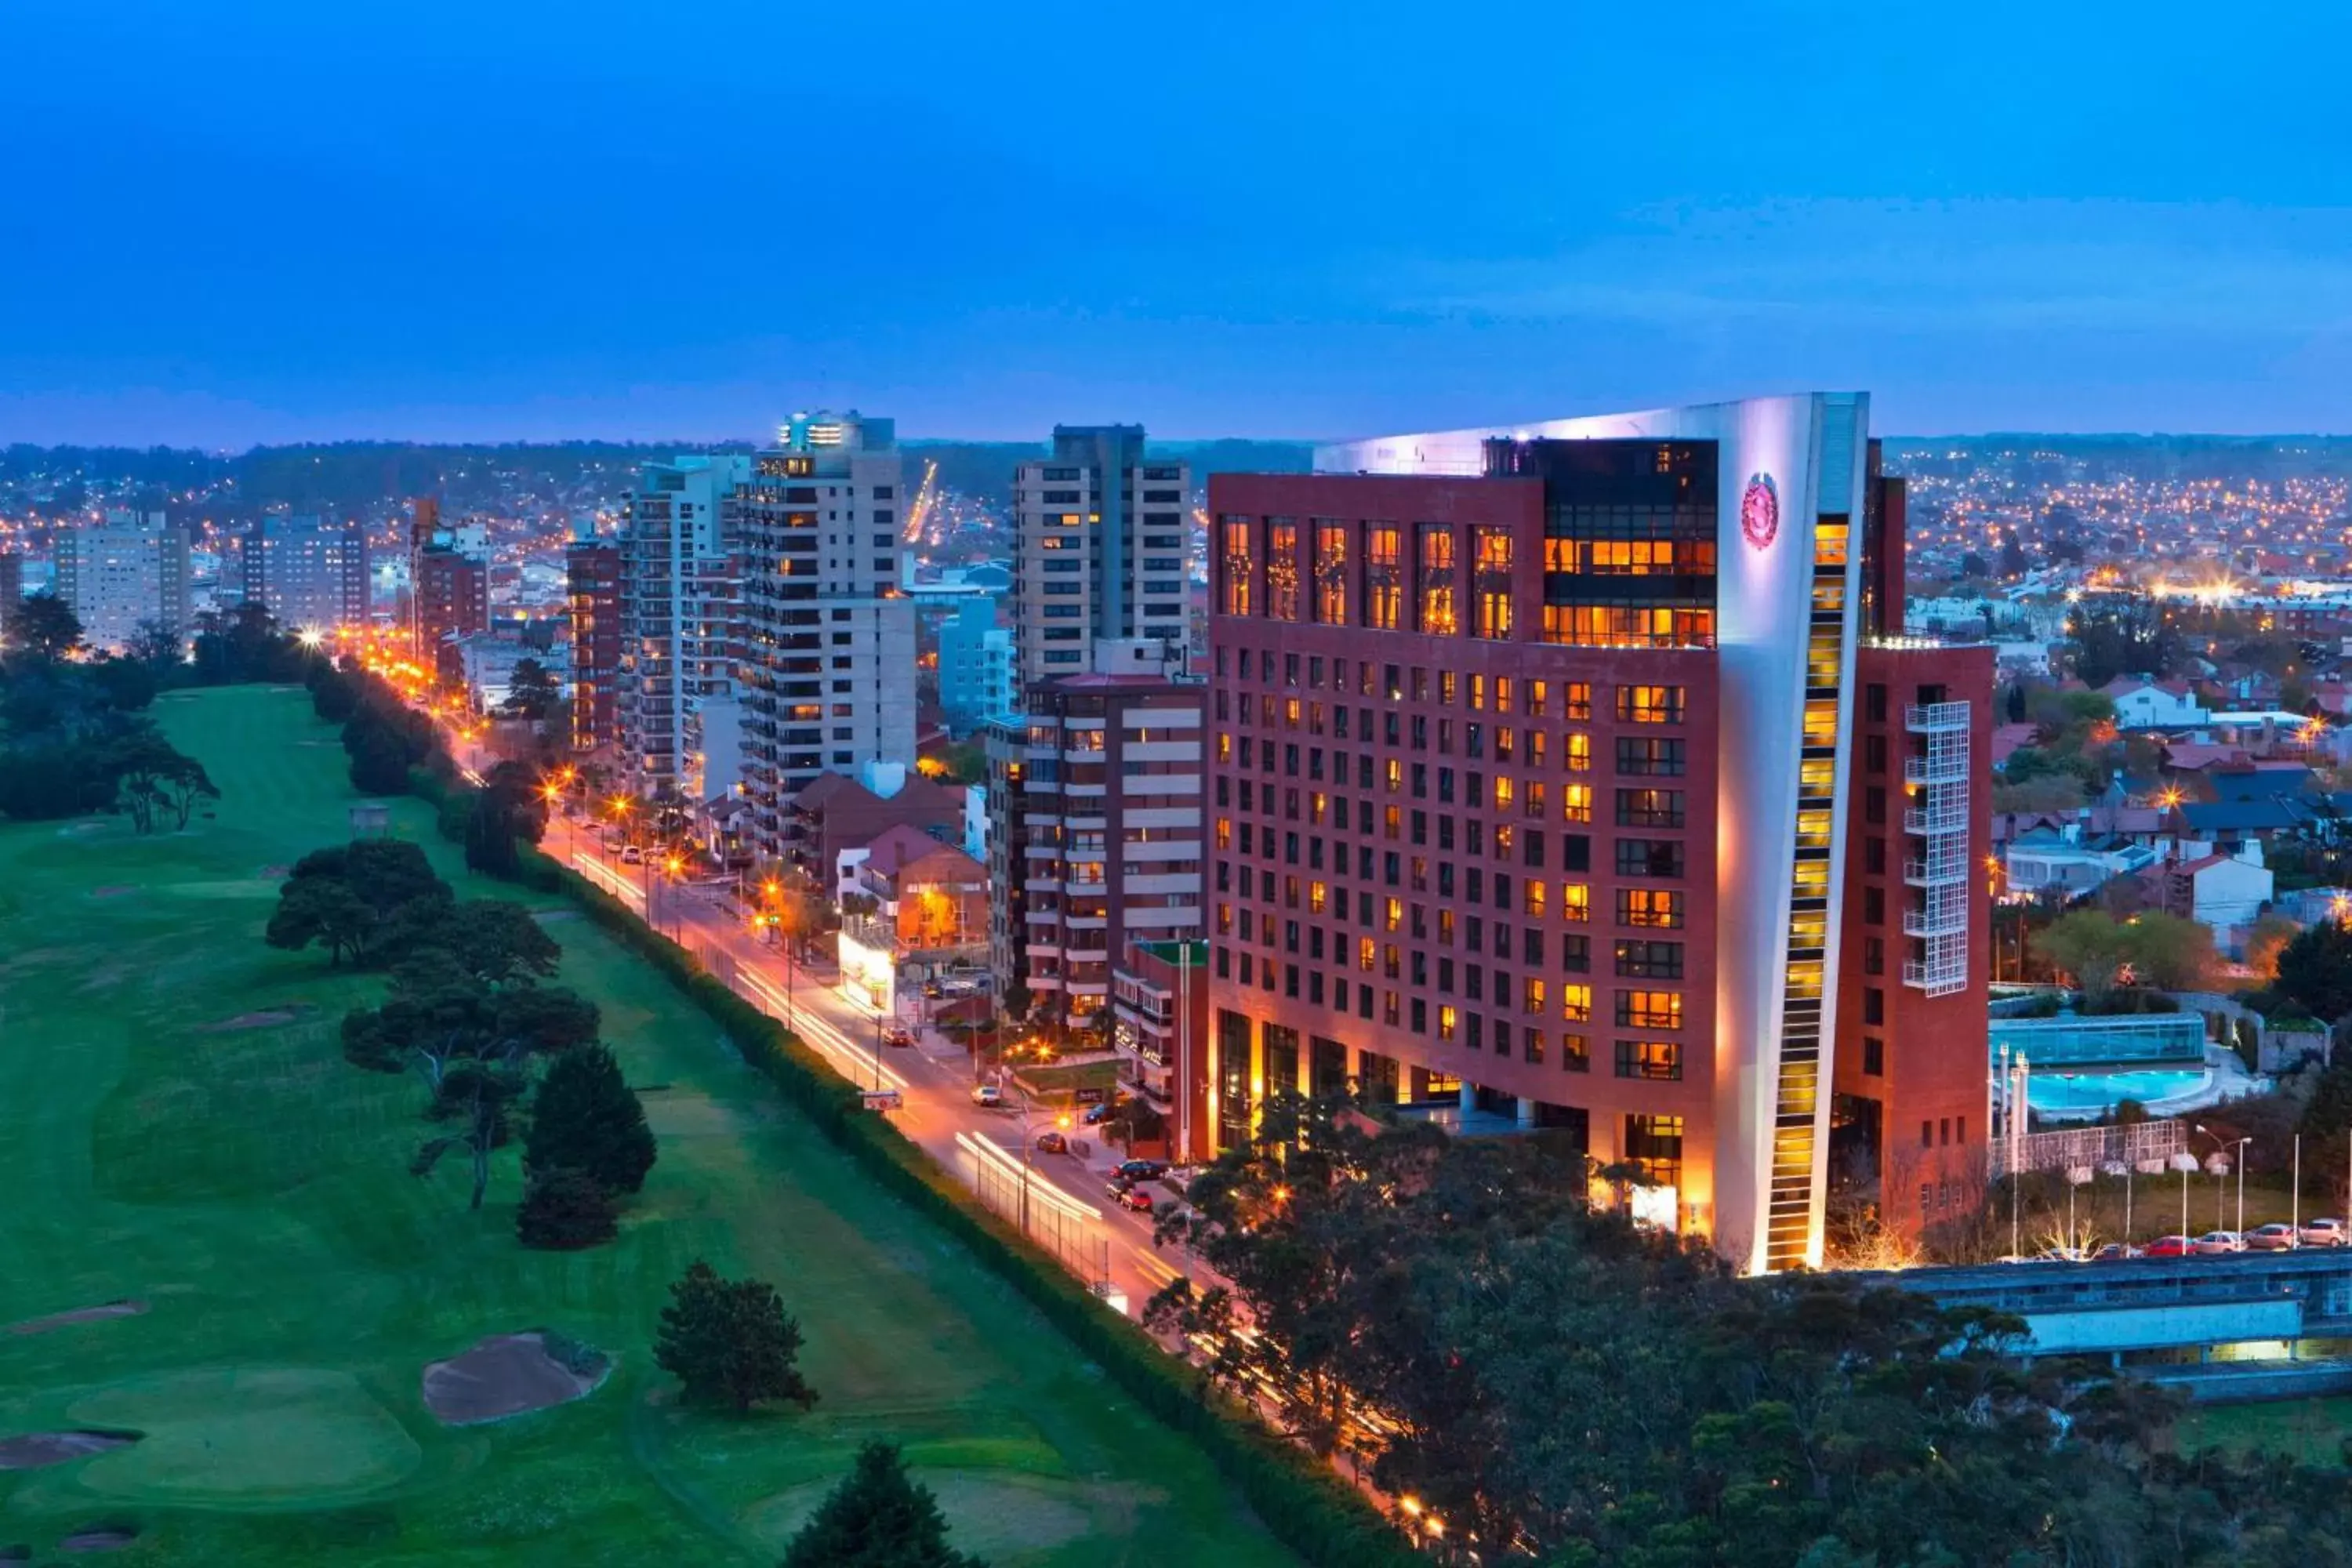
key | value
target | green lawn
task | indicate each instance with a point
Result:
(252, 1189)
(2311, 1431)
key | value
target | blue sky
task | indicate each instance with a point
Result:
(250, 220)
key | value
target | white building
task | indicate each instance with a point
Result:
(2143, 704)
(977, 664)
(304, 572)
(828, 665)
(2223, 891)
(1105, 543)
(2061, 863)
(681, 623)
(130, 569)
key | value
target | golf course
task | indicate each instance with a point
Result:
(220, 1285)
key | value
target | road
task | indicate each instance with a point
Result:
(934, 1078)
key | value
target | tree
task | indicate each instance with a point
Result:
(507, 807)
(476, 1094)
(184, 782)
(2168, 951)
(495, 941)
(379, 764)
(2314, 970)
(157, 648)
(127, 685)
(2014, 710)
(878, 1517)
(563, 1208)
(325, 910)
(47, 627)
(585, 1117)
(2120, 634)
(356, 899)
(730, 1340)
(531, 690)
(2013, 556)
(1974, 566)
(2088, 945)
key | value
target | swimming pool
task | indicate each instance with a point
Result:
(2094, 1091)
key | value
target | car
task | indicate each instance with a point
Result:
(1051, 1143)
(2324, 1233)
(2168, 1247)
(1128, 1197)
(2276, 1236)
(2061, 1255)
(632, 856)
(988, 1095)
(897, 1034)
(2219, 1244)
(1101, 1111)
(2114, 1252)
(1143, 1170)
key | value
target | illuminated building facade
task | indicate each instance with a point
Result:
(681, 623)
(1104, 542)
(1532, 776)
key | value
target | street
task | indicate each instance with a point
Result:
(934, 1078)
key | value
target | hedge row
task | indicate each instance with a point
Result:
(1308, 1509)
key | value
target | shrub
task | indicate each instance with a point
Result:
(563, 1208)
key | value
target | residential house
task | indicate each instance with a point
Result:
(919, 908)
(2142, 704)
(2219, 890)
(2065, 863)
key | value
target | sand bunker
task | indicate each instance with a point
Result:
(507, 1374)
(78, 1315)
(112, 1538)
(36, 1450)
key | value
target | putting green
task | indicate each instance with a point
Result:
(246, 1436)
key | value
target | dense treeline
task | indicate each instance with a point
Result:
(75, 735)
(1534, 1373)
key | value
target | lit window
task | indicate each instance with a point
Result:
(1576, 1004)
(1575, 902)
(1434, 568)
(1237, 565)
(1534, 997)
(1446, 1022)
(1576, 802)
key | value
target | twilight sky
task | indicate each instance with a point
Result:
(271, 220)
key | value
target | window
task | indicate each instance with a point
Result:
(1650, 959)
(1578, 754)
(1654, 1144)
(1576, 701)
(1236, 563)
(1649, 1010)
(1491, 581)
(1575, 902)
(1873, 906)
(1383, 579)
(1330, 574)
(1434, 579)
(1650, 704)
(1576, 1004)
(1649, 808)
(1576, 803)
(1282, 568)
(1532, 996)
(1649, 857)
(1874, 1057)
(1648, 758)
(1651, 907)
(1874, 1004)
(1658, 1060)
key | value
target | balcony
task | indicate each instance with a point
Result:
(1937, 817)
(1942, 764)
(1936, 719)
(1937, 870)
(1945, 913)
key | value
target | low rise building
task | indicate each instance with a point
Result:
(918, 910)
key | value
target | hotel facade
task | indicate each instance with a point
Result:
(1534, 765)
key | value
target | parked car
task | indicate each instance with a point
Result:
(897, 1034)
(2114, 1252)
(2060, 1255)
(1101, 1111)
(631, 855)
(2219, 1244)
(2277, 1236)
(1135, 1198)
(2168, 1247)
(989, 1095)
(2323, 1233)
(1051, 1143)
(1143, 1170)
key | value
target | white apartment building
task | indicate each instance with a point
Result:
(1104, 548)
(304, 572)
(828, 667)
(681, 626)
(128, 569)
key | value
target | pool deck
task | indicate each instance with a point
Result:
(2225, 1079)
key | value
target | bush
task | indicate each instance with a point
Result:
(563, 1208)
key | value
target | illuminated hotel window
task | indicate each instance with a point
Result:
(1633, 625)
(1504, 785)
(1315, 897)
(1445, 1019)
(1538, 697)
(1535, 804)
(1829, 543)
(1578, 753)
(1331, 574)
(1650, 704)
(1576, 901)
(1660, 1060)
(1282, 568)
(1576, 802)
(1502, 694)
(1576, 701)
(1654, 1143)
(1491, 581)
(1224, 833)
(1534, 897)
(1236, 566)
(1575, 1052)
(1383, 580)
(1367, 951)
(1434, 579)
(1654, 907)
(1576, 1004)
(1532, 997)
(1395, 915)
(1821, 722)
(1649, 1010)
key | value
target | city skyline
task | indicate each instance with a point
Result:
(1273, 227)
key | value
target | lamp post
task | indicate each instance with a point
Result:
(2242, 1144)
